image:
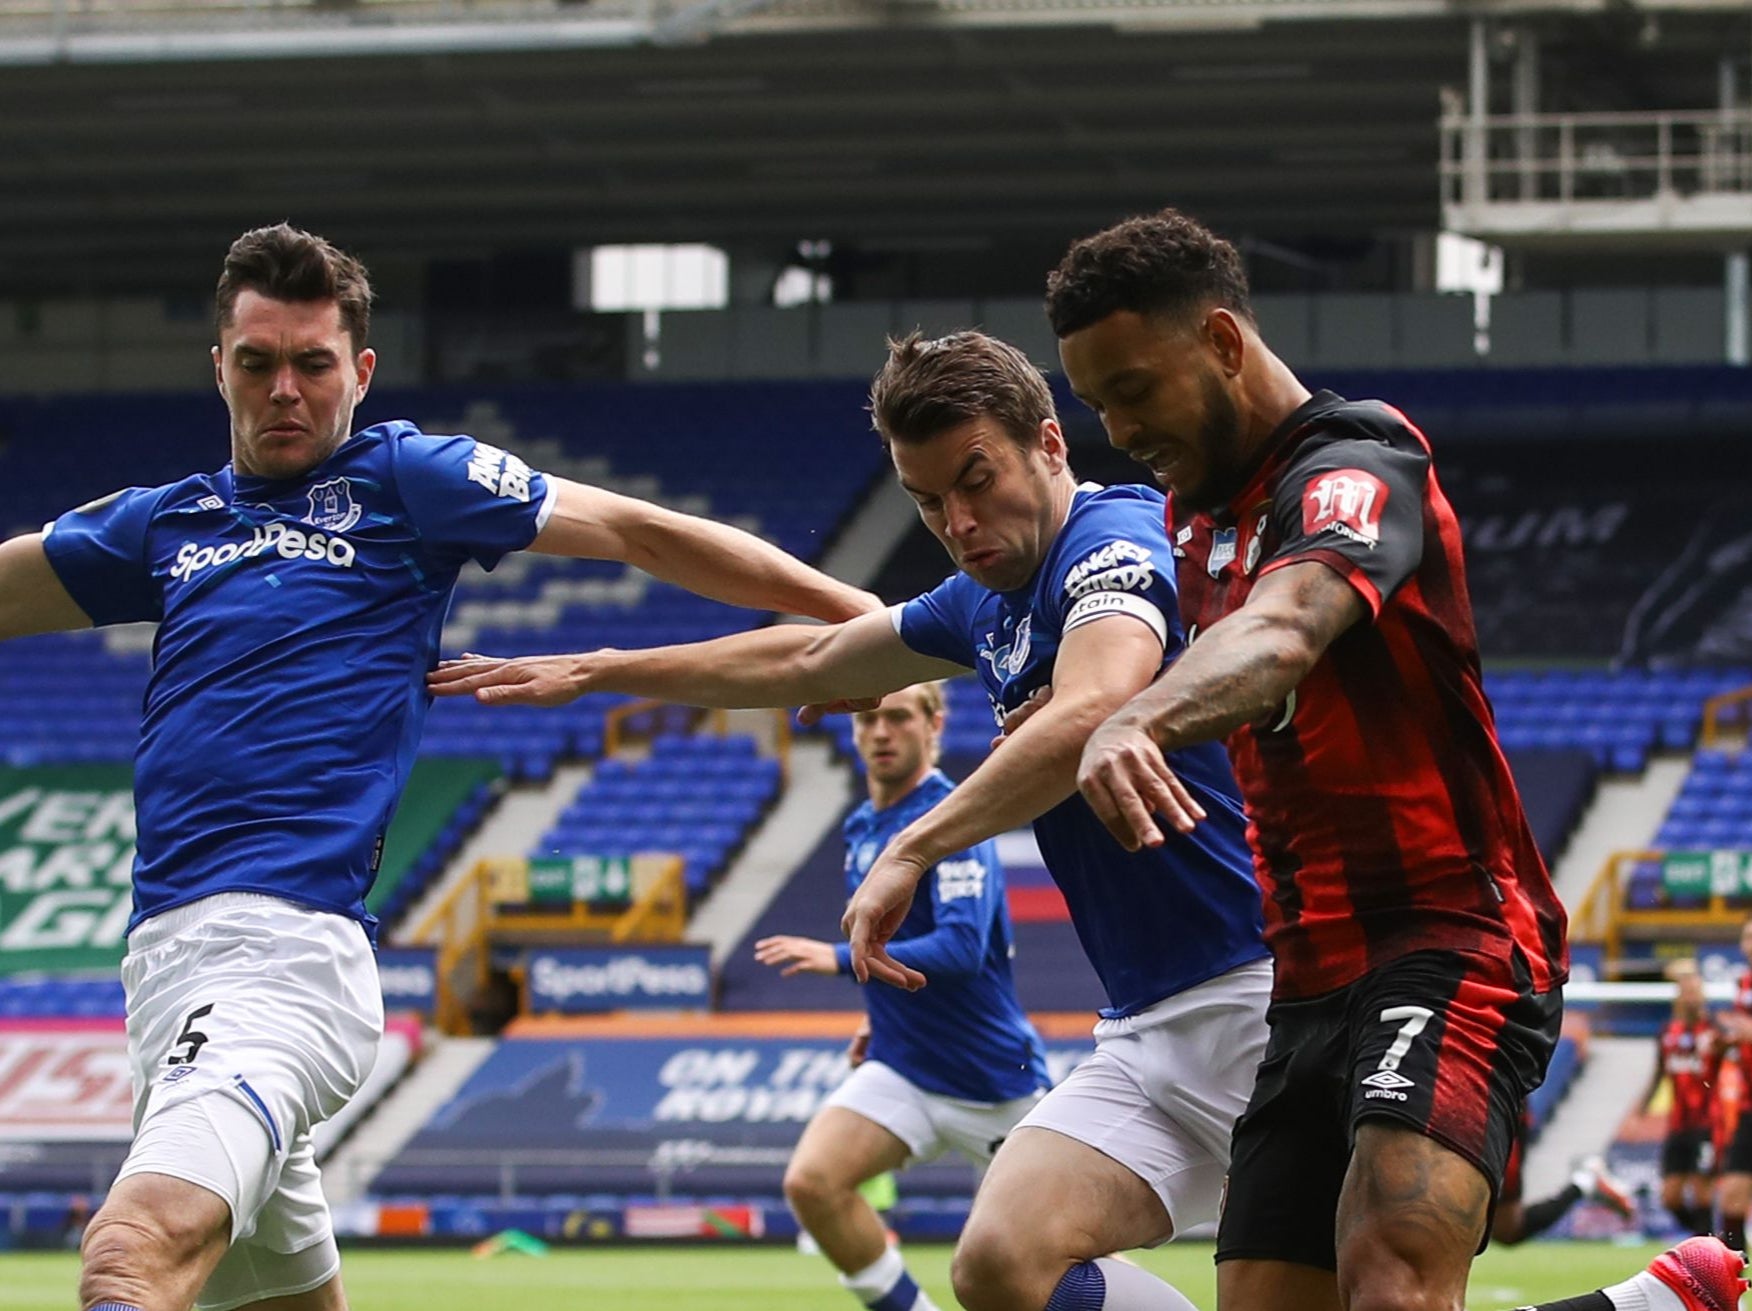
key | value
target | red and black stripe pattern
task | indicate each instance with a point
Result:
(1689, 1058)
(1383, 816)
(1445, 1044)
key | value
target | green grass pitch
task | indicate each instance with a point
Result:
(766, 1278)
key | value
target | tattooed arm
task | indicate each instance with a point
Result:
(1240, 671)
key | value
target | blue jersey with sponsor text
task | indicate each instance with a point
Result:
(964, 1034)
(1162, 920)
(297, 621)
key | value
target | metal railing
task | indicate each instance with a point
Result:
(1572, 158)
(469, 920)
(1604, 916)
(1727, 716)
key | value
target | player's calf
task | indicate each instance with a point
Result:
(152, 1244)
(1018, 1254)
(839, 1150)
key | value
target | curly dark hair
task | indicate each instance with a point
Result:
(929, 386)
(1163, 263)
(286, 263)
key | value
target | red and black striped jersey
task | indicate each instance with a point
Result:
(1690, 1056)
(1742, 1051)
(1383, 816)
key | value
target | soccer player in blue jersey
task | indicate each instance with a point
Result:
(955, 1065)
(299, 593)
(1070, 587)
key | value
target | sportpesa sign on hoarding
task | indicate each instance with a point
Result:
(578, 981)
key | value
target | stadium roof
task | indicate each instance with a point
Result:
(922, 133)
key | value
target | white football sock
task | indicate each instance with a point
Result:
(879, 1281)
(1643, 1292)
(1132, 1288)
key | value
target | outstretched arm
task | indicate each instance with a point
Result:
(32, 598)
(709, 558)
(1240, 671)
(1098, 666)
(786, 665)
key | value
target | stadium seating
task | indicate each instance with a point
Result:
(1712, 812)
(698, 796)
(1621, 717)
(1714, 807)
(393, 895)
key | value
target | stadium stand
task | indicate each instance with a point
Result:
(698, 796)
(1714, 808)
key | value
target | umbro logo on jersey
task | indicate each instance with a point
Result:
(288, 543)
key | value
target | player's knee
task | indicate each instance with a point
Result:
(126, 1250)
(997, 1270)
(810, 1190)
(1389, 1276)
(1395, 1286)
(1673, 1191)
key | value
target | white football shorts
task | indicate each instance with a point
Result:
(250, 1020)
(1164, 1088)
(929, 1123)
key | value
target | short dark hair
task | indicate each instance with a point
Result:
(929, 386)
(286, 263)
(1164, 263)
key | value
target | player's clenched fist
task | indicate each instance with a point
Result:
(1126, 781)
(876, 912)
(525, 681)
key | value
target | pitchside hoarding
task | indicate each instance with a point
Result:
(66, 865)
(681, 1116)
(409, 976)
(577, 981)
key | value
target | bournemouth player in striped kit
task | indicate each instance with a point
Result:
(1418, 944)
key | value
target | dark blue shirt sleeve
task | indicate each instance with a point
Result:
(965, 889)
(1115, 559)
(468, 498)
(940, 623)
(99, 552)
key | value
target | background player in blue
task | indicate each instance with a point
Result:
(955, 1065)
(1071, 586)
(299, 593)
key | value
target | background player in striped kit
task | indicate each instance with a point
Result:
(954, 1066)
(1734, 1186)
(1688, 1059)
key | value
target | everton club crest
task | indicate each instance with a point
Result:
(332, 507)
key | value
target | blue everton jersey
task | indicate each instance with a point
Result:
(1159, 921)
(964, 1034)
(297, 621)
